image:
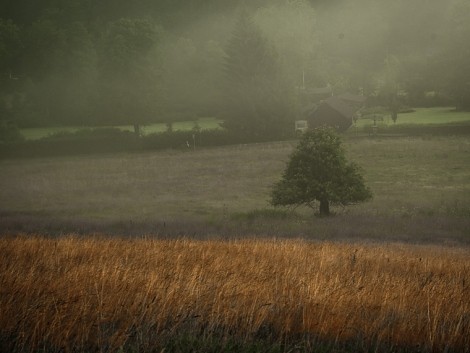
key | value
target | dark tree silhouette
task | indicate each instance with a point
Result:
(256, 96)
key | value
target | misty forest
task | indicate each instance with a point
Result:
(80, 62)
(235, 176)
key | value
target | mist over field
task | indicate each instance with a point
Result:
(80, 63)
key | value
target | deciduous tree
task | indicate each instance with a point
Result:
(319, 172)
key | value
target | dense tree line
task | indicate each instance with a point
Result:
(82, 62)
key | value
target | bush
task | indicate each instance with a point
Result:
(86, 141)
(9, 132)
(111, 140)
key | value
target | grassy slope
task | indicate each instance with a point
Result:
(421, 187)
(434, 116)
(423, 116)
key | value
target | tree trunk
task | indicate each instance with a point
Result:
(324, 208)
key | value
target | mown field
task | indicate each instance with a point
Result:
(73, 294)
(421, 192)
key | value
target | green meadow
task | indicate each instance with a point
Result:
(203, 123)
(421, 116)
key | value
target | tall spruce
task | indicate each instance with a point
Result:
(256, 104)
(130, 88)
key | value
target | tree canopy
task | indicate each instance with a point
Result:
(318, 171)
(129, 76)
(256, 99)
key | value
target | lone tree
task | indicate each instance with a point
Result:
(318, 171)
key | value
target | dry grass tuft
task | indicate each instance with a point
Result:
(103, 294)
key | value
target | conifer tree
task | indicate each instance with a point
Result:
(256, 97)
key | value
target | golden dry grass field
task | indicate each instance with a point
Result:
(77, 294)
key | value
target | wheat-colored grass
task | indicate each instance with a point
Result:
(88, 294)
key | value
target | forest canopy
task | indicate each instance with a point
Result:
(84, 62)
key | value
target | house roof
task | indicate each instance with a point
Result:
(340, 106)
(309, 108)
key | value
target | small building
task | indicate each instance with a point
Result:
(301, 126)
(337, 112)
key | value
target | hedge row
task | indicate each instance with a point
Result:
(114, 140)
